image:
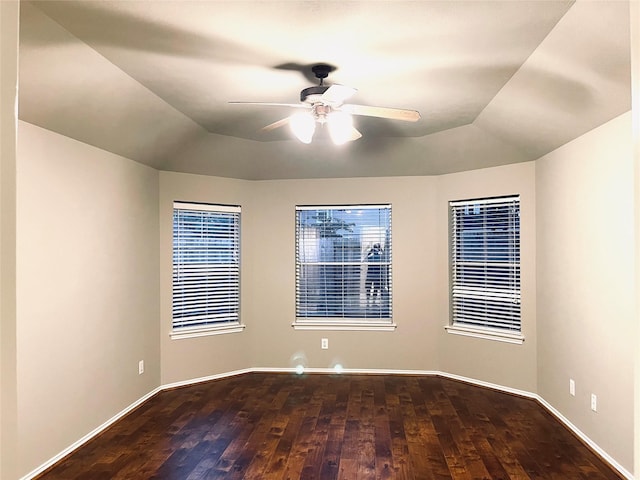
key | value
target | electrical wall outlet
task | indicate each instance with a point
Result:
(140, 367)
(572, 387)
(324, 343)
(594, 402)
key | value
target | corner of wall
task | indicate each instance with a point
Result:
(9, 28)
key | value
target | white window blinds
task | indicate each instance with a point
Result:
(485, 263)
(343, 262)
(206, 265)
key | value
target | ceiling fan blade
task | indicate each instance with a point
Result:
(337, 94)
(274, 125)
(355, 134)
(271, 104)
(382, 112)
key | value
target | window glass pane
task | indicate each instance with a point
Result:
(206, 266)
(343, 262)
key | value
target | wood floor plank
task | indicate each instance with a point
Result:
(326, 427)
(280, 459)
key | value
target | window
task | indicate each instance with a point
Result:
(343, 267)
(485, 267)
(206, 269)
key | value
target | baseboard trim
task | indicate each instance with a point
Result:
(208, 378)
(522, 393)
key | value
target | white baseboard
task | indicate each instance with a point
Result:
(605, 456)
(208, 378)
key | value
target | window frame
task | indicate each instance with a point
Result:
(209, 326)
(374, 323)
(456, 263)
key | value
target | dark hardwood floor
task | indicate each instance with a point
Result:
(281, 426)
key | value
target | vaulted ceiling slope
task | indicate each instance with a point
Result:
(496, 82)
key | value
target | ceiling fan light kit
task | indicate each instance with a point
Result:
(325, 105)
(340, 124)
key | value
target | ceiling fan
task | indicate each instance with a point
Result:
(324, 105)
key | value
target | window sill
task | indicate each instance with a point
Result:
(487, 334)
(344, 326)
(206, 331)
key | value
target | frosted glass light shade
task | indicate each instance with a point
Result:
(340, 127)
(303, 126)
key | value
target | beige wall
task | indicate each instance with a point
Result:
(420, 278)
(268, 277)
(9, 18)
(87, 289)
(500, 363)
(635, 96)
(586, 320)
(192, 358)
(275, 343)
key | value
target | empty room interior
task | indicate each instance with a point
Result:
(349, 254)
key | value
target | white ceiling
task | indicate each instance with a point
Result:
(496, 82)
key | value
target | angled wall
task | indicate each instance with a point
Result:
(87, 289)
(585, 303)
(189, 358)
(420, 278)
(500, 363)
